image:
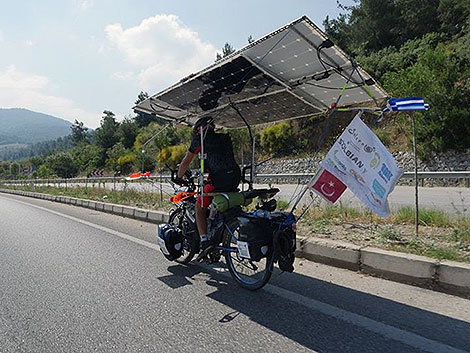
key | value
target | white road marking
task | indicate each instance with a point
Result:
(385, 330)
(96, 226)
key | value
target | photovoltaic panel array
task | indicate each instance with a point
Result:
(291, 73)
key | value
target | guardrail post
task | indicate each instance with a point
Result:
(161, 191)
(467, 182)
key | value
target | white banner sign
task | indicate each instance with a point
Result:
(362, 162)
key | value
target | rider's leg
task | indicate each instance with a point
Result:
(201, 221)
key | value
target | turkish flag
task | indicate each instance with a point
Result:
(328, 186)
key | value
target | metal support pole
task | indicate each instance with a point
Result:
(416, 176)
(253, 146)
(202, 157)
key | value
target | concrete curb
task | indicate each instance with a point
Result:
(446, 276)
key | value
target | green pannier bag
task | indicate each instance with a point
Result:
(227, 200)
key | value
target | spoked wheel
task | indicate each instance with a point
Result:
(249, 274)
(190, 238)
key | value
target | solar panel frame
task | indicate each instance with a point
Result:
(314, 84)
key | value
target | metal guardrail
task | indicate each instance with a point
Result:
(422, 176)
(294, 176)
(92, 180)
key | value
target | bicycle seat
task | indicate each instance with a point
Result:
(262, 193)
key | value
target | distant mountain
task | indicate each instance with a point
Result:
(23, 126)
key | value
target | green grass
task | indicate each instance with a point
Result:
(341, 213)
(127, 197)
(419, 247)
(427, 217)
(389, 233)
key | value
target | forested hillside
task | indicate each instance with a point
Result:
(25, 126)
(411, 47)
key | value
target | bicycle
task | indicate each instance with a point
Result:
(251, 242)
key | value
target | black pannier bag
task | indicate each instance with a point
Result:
(264, 233)
(257, 232)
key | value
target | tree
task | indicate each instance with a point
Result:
(226, 51)
(14, 169)
(114, 154)
(79, 132)
(62, 164)
(276, 138)
(144, 119)
(440, 78)
(141, 97)
(87, 157)
(241, 142)
(418, 17)
(126, 162)
(106, 135)
(454, 16)
(127, 132)
(44, 171)
(171, 155)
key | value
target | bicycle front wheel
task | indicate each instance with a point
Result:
(249, 274)
(190, 244)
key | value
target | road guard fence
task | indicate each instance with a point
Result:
(444, 178)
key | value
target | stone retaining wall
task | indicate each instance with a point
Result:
(448, 161)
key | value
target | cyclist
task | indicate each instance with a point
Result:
(224, 172)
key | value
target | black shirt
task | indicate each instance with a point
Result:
(219, 150)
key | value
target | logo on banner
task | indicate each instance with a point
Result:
(328, 186)
(385, 173)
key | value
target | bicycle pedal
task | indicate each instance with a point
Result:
(204, 253)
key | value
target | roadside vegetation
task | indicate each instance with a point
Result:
(441, 236)
(128, 197)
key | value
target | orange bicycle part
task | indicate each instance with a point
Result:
(181, 196)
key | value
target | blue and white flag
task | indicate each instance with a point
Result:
(404, 104)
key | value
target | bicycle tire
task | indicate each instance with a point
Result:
(230, 257)
(190, 245)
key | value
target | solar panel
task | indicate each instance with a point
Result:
(291, 73)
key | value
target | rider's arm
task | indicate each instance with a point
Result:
(184, 165)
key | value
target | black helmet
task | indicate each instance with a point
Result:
(170, 240)
(202, 123)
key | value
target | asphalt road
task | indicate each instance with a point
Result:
(76, 280)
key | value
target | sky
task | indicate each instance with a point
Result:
(76, 58)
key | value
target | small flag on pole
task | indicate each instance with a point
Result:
(328, 186)
(404, 104)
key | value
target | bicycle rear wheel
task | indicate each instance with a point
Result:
(190, 238)
(249, 274)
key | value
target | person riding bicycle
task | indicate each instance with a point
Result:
(224, 172)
